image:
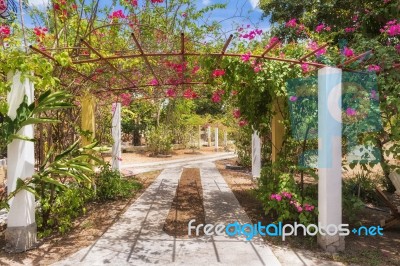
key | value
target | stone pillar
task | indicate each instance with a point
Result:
(116, 134)
(199, 137)
(209, 136)
(20, 234)
(330, 157)
(216, 139)
(88, 104)
(277, 128)
(255, 155)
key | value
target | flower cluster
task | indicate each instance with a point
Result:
(245, 57)
(374, 68)
(40, 33)
(171, 93)
(274, 40)
(4, 31)
(314, 46)
(189, 94)
(322, 27)
(242, 123)
(392, 28)
(126, 99)
(348, 52)
(304, 67)
(236, 113)
(257, 67)
(217, 96)
(179, 68)
(157, 1)
(153, 82)
(351, 111)
(250, 35)
(297, 205)
(218, 73)
(291, 23)
(117, 15)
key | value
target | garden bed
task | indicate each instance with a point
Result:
(187, 204)
(86, 230)
(361, 250)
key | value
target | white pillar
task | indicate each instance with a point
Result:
(255, 155)
(116, 134)
(21, 225)
(216, 139)
(330, 156)
(209, 136)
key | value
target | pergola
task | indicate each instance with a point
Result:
(109, 77)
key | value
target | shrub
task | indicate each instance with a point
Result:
(58, 209)
(111, 185)
(159, 140)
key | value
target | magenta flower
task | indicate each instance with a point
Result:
(351, 29)
(218, 73)
(195, 69)
(257, 68)
(291, 23)
(293, 98)
(397, 47)
(153, 82)
(304, 67)
(117, 14)
(373, 68)
(189, 94)
(351, 111)
(242, 123)
(286, 195)
(236, 113)
(126, 99)
(245, 57)
(320, 27)
(171, 93)
(299, 209)
(348, 52)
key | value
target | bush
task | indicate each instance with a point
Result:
(281, 198)
(159, 141)
(58, 209)
(111, 185)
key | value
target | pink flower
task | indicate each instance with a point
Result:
(320, 27)
(245, 57)
(236, 113)
(126, 99)
(328, 28)
(117, 15)
(257, 68)
(373, 68)
(286, 195)
(171, 93)
(397, 47)
(351, 111)
(293, 98)
(218, 73)
(216, 97)
(348, 30)
(242, 123)
(189, 94)
(304, 67)
(291, 23)
(392, 28)
(4, 31)
(195, 69)
(157, 1)
(348, 52)
(308, 207)
(153, 82)
(299, 209)
(278, 197)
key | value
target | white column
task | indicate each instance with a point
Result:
(330, 156)
(21, 226)
(216, 139)
(255, 155)
(209, 136)
(116, 134)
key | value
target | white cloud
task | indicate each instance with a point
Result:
(254, 3)
(206, 2)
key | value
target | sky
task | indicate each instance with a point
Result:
(238, 12)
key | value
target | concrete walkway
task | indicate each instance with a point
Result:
(137, 237)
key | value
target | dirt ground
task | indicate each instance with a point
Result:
(87, 229)
(360, 250)
(187, 204)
